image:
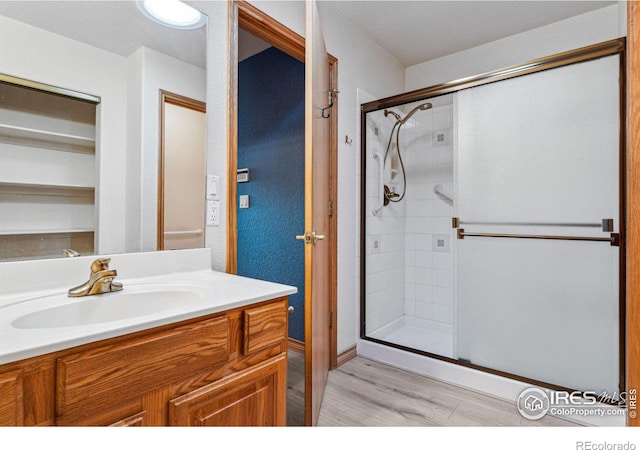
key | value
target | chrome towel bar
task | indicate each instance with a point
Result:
(613, 239)
(605, 224)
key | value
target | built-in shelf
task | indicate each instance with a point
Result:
(45, 231)
(42, 138)
(25, 245)
(42, 188)
(47, 173)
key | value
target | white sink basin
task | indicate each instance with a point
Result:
(109, 307)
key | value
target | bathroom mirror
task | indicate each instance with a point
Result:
(109, 50)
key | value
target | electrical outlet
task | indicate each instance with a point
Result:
(213, 213)
(244, 201)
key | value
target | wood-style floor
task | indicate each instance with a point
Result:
(295, 389)
(362, 392)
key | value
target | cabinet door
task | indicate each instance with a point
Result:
(252, 397)
(11, 403)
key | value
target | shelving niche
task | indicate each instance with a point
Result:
(47, 172)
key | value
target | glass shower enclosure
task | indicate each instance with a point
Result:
(492, 223)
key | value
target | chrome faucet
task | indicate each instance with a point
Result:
(100, 281)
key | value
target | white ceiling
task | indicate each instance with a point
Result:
(115, 26)
(412, 31)
(249, 45)
(419, 31)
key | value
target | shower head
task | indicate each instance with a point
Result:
(421, 107)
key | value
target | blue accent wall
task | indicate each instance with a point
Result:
(271, 146)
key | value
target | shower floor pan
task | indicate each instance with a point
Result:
(419, 334)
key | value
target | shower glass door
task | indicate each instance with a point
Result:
(491, 224)
(537, 171)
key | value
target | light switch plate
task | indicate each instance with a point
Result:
(212, 186)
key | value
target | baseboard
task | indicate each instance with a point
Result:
(347, 355)
(296, 346)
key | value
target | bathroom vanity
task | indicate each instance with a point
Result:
(212, 352)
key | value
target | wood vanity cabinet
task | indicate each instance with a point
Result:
(223, 369)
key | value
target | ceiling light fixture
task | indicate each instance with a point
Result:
(173, 13)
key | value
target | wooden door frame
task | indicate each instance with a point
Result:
(633, 206)
(246, 16)
(185, 102)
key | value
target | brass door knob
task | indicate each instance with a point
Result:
(310, 238)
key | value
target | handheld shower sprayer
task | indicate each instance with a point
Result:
(422, 107)
(389, 195)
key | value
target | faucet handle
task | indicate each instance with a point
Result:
(100, 264)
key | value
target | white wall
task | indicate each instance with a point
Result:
(217, 117)
(586, 29)
(149, 72)
(290, 13)
(362, 64)
(34, 54)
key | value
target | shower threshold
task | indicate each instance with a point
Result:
(420, 334)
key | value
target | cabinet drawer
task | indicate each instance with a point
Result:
(265, 325)
(100, 379)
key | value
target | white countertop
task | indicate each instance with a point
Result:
(216, 292)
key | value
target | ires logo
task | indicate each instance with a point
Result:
(534, 403)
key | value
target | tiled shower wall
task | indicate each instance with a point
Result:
(428, 156)
(408, 245)
(385, 242)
